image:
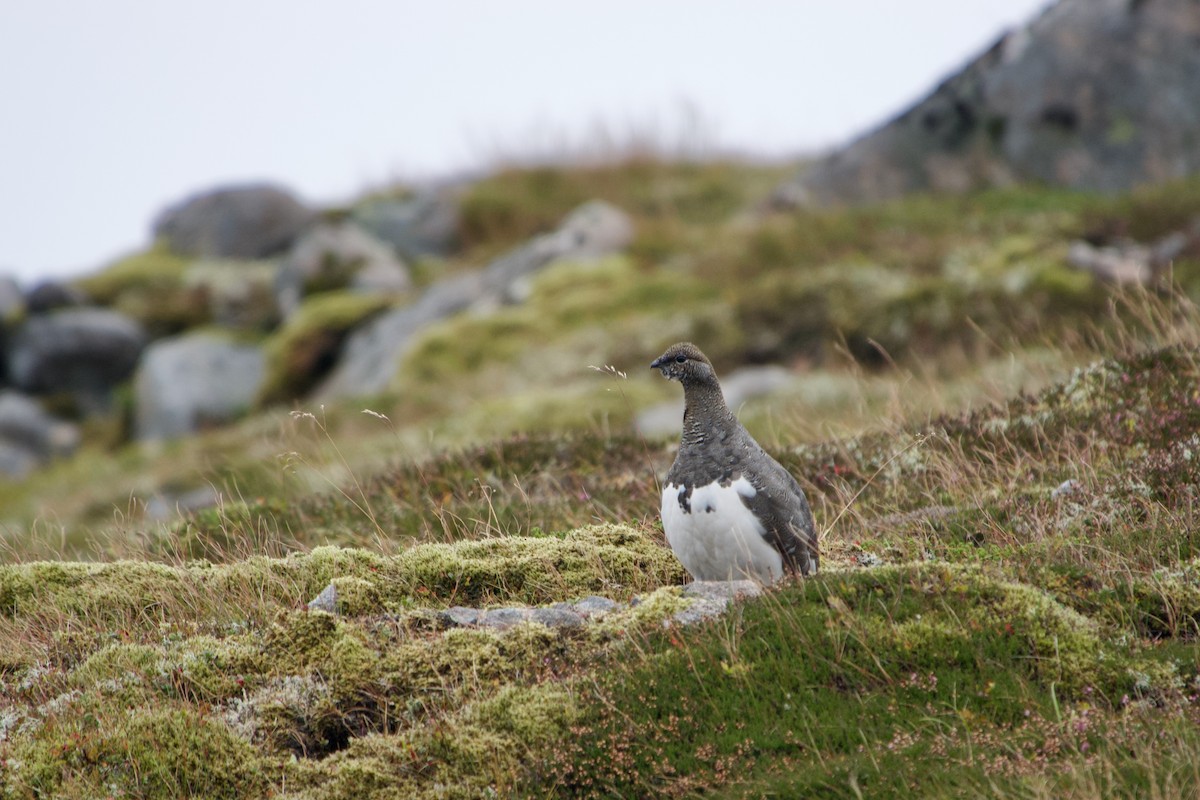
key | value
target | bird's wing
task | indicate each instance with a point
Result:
(780, 503)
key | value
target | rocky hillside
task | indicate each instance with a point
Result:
(163, 383)
(1101, 95)
(990, 400)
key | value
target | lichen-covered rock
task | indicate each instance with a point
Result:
(1115, 106)
(81, 351)
(425, 223)
(30, 436)
(374, 354)
(246, 222)
(338, 255)
(193, 381)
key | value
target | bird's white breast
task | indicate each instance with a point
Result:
(718, 538)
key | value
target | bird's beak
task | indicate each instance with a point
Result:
(656, 363)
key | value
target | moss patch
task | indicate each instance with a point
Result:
(306, 346)
(826, 681)
(151, 287)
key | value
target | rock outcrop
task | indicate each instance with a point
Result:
(372, 355)
(336, 255)
(1092, 94)
(29, 437)
(84, 352)
(51, 295)
(246, 222)
(425, 224)
(193, 381)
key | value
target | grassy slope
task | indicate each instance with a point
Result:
(972, 634)
(1011, 643)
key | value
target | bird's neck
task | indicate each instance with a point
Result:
(704, 412)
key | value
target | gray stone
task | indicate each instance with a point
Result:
(421, 225)
(711, 598)
(82, 351)
(723, 590)
(556, 617)
(167, 505)
(501, 618)
(241, 294)
(1099, 95)
(191, 381)
(326, 601)
(16, 462)
(336, 255)
(594, 606)
(26, 424)
(251, 221)
(460, 616)
(51, 295)
(372, 354)
(29, 437)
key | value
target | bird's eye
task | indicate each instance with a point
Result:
(680, 359)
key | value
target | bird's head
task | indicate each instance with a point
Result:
(685, 363)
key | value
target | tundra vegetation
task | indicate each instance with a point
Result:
(1002, 453)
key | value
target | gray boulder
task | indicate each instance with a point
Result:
(81, 351)
(166, 504)
(372, 354)
(240, 294)
(335, 255)
(29, 437)
(711, 598)
(246, 222)
(192, 381)
(424, 224)
(51, 295)
(1092, 94)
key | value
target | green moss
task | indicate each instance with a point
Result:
(826, 677)
(139, 596)
(533, 357)
(151, 287)
(153, 752)
(305, 347)
(533, 716)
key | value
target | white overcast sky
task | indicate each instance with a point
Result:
(110, 110)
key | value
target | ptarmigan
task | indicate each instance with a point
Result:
(729, 510)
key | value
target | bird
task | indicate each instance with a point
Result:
(729, 510)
